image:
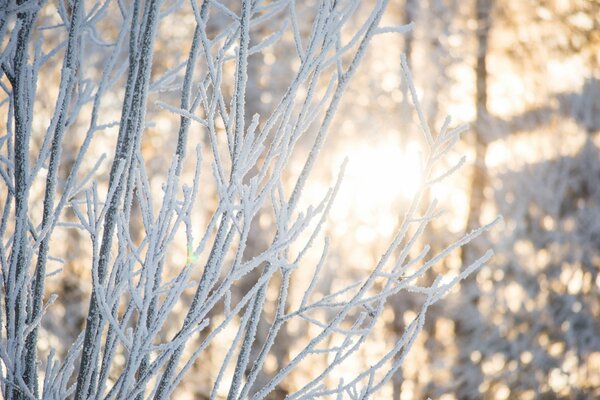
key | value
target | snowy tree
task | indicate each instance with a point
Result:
(110, 69)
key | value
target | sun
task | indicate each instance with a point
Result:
(380, 176)
(384, 171)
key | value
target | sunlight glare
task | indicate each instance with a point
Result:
(377, 177)
(384, 171)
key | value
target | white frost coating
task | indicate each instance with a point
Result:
(137, 290)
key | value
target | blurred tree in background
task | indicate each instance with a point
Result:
(532, 93)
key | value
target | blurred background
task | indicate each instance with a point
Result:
(525, 76)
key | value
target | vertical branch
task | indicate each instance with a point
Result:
(132, 121)
(216, 255)
(241, 79)
(61, 114)
(23, 94)
(184, 125)
(244, 356)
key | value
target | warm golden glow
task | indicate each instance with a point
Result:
(380, 173)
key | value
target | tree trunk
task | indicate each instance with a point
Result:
(468, 374)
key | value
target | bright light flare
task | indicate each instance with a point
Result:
(378, 176)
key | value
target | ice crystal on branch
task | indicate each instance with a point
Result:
(148, 319)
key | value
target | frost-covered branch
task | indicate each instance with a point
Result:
(151, 316)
